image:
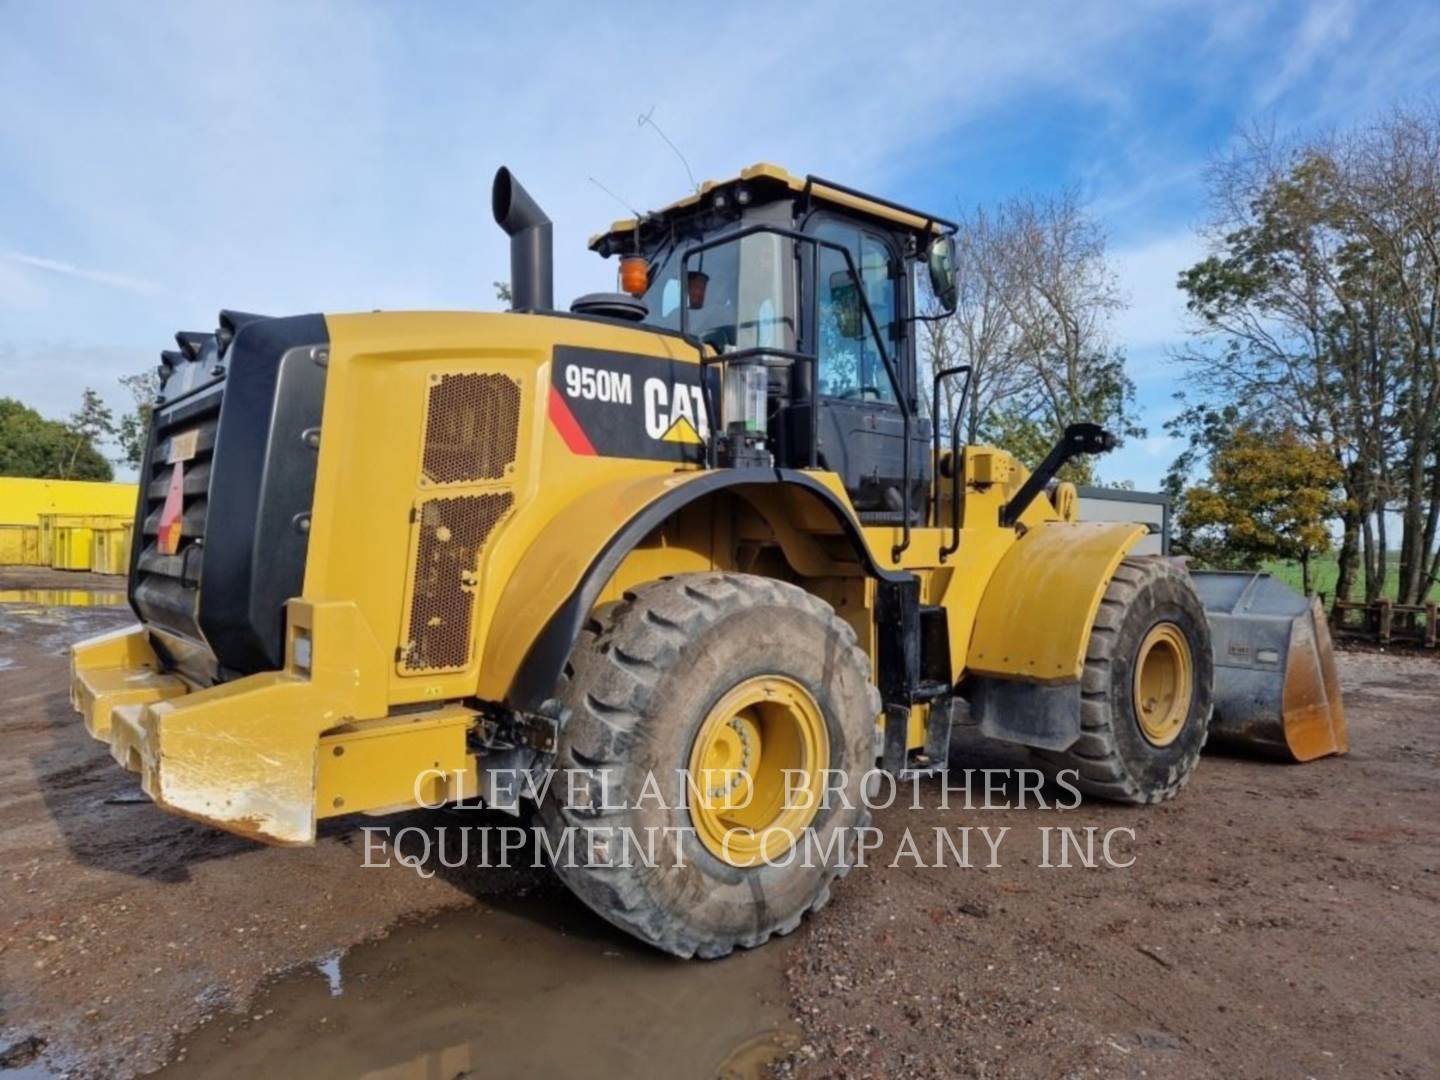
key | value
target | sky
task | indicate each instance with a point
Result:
(161, 161)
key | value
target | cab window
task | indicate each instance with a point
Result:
(850, 364)
(736, 294)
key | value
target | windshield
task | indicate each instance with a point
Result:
(739, 294)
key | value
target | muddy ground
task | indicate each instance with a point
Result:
(1276, 921)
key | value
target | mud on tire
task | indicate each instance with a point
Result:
(639, 684)
(1113, 757)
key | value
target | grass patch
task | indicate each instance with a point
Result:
(1326, 569)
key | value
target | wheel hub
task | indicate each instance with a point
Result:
(1164, 684)
(755, 770)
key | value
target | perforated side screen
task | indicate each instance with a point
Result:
(470, 428)
(452, 534)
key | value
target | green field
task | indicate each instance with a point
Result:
(1323, 572)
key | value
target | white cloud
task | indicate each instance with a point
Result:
(100, 277)
(1148, 271)
(1324, 25)
(236, 164)
(265, 179)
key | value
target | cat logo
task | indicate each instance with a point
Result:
(682, 431)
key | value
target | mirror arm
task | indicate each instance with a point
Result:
(1077, 441)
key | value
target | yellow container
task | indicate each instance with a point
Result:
(110, 551)
(22, 500)
(19, 545)
(50, 524)
(71, 547)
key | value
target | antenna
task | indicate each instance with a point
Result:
(647, 118)
(633, 212)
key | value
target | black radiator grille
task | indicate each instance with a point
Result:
(239, 412)
(166, 586)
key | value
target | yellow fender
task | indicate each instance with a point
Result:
(553, 589)
(1034, 619)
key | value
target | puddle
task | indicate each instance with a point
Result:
(43, 598)
(545, 991)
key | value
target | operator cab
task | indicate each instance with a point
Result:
(806, 289)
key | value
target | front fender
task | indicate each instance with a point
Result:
(1034, 618)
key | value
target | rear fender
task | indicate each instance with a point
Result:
(546, 601)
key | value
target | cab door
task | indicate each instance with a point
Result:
(861, 424)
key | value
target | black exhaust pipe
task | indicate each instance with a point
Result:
(532, 270)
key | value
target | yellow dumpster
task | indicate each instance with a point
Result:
(110, 551)
(19, 545)
(50, 524)
(71, 547)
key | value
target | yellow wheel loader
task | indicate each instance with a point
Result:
(699, 543)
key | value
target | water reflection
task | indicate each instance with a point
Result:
(63, 597)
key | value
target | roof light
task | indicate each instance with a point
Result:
(634, 275)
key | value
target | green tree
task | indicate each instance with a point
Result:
(134, 427)
(1318, 308)
(89, 425)
(1270, 495)
(33, 446)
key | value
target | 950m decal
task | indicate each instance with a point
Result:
(615, 404)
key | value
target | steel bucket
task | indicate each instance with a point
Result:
(1276, 688)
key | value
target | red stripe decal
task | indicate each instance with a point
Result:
(569, 428)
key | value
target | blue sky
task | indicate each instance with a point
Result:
(159, 162)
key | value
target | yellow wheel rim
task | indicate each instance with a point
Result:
(756, 770)
(1163, 684)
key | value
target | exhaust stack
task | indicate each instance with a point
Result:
(532, 269)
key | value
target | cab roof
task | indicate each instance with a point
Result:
(769, 181)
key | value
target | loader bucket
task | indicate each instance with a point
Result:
(1276, 689)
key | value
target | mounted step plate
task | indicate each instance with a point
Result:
(914, 644)
(914, 650)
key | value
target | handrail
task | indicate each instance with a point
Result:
(945, 373)
(957, 470)
(890, 369)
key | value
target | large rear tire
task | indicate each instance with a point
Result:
(1145, 695)
(701, 689)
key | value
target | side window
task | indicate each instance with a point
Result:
(850, 364)
(670, 302)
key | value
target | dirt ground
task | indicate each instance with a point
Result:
(1276, 921)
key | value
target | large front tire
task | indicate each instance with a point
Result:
(1146, 692)
(721, 675)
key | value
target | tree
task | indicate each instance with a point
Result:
(1270, 495)
(134, 427)
(1319, 308)
(32, 446)
(1035, 302)
(89, 425)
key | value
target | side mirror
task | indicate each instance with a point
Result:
(845, 303)
(940, 261)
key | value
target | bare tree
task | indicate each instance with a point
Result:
(1035, 300)
(1065, 296)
